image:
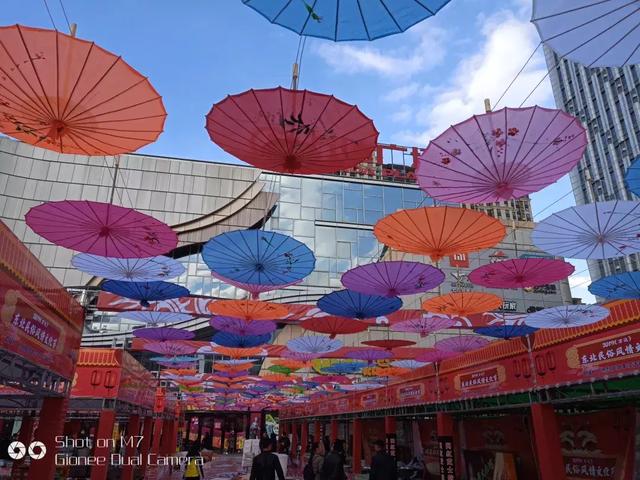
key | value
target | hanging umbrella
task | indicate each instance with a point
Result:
(292, 365)
(506, 331)
(145, 291)
(594, 33)
(226, 339)
(333, 325)
(389, 279)
(345, 368)
(617, 287)
(385, 372)
(346, 303)
(461, 343)
(248, 309)
(594, 231)
(170, 348)
(369, 354)
(237, 326)
(254, 289)
(324, 379)
(439, 231)
(234, 375)
(424, 325)
(396, 317)
(154, 317)
(276, 378)
(462, 303)
(521, 273)
(175, 360)
(632, 177)
(341, 22)
(299, 356)
(389, 344)
(292, 131)
(408, 364)
(163, 334)
(280, 369)
(235, 367)
(71, 96)
(567, 316)
(433, 355)
(355, 387)
(501, 155)
(315, 344)
(128, 269)
(233, 362)
(258, 257)
(238, 352)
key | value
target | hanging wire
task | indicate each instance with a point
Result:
(46, 6)
(64, 12)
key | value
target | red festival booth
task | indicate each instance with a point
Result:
(41, 327)
(114, 396)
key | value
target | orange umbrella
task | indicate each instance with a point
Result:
(248, 309)
(238, 367)
(71, 96)
(463, 303)
(226, 381)
(238, 352)
(439, 231)
(180, 371)
(277, 378)
(384, 371)
(292, 365)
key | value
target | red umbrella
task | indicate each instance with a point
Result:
(333, 325)
(292, 131)
(101, 229)
(71, 96)
(389, 344)
(521, 273)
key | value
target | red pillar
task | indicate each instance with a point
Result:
(357, 446)
(50, 425)
(446, 428)
(157, 434)
(294, 440)
(304, 439)
(317, 434)
(24, 436)
(101, 446)
(334, 430)
(547, 442)
(132, 438)
(147, 425)
(168, 442)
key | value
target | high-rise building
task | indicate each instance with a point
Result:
(607, 101)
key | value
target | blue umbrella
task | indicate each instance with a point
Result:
(346, 303)
(178, 359)
(632, 178)
(258, 257)
(617, 287)
(506, 331)
(346, 20)
(154, 317)
(346, 368)
(232, 340)
(145, 291)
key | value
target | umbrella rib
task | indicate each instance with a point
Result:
(298, 147)
(35, 71)
(21, 102)
(264, 116)
(391, 15)
(364, 22)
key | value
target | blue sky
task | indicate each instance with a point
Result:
(413, 85)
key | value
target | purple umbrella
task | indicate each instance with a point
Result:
(501, 155)
(424, 325)
(238, 326)
(369, 354)
(302, 356)
(170, 348)
(461, 343)
(393, 278)
(163, 334)
(315, 344)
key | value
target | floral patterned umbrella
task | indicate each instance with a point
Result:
(333, 325)
(101, 229)
(248, 309)
(463, 303)
(315, 344)
(155, 317)
(170, 348)
(292, 131)
(392, 278)
(346, 303)
(237, 326)
(163, 334)
(567, 316)
(501, 155)
(128, 269)
(145, 291)
(617, 287)
(521, 273)
(598, 230)
(71, 96)
(424, 325)
(461, 343)
(439, 231)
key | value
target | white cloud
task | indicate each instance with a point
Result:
(579, 288)
(428, 51)
(402, 93)
(507, 41)
(403, 115)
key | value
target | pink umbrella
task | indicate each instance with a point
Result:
(461, 343)
(253, 289)
(521, 273)
(369, 354)
(501, 155)
(163, 334)
(393, 278)
(170, 348)
(101, 229)
(433, 355)
(424, 325)
(339, 379)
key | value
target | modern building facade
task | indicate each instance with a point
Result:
(333, 214)
(607, 101)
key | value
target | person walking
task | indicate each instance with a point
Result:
(266, 465)
(333, 465)
(193, 470)
(383, 465)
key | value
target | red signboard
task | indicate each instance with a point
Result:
(410, 393)
(604, 353)
(487, 378)
(460, 260)
(369, 400)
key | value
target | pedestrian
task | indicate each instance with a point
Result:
(333, 465)
(266, 465)
(274, 442)
(383, 465)
(193, 470)
(318, 460)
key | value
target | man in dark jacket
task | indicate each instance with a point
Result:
(266, 465)
(333, 466)
(383, 465)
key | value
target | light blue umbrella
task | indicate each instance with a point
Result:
(149, 269)
(632, 177)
